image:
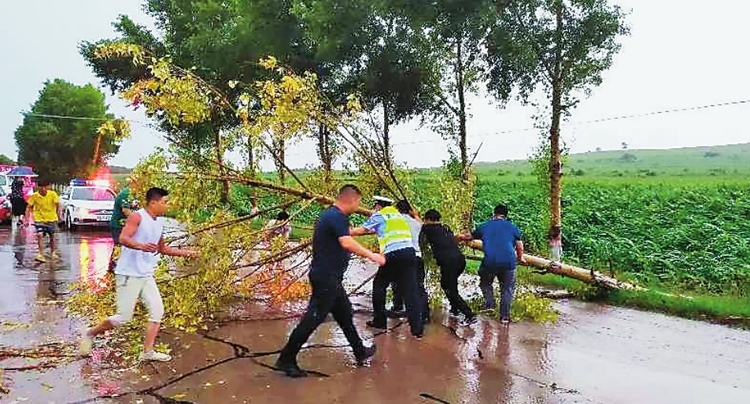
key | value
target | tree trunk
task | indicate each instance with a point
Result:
(250, 154)
(97, 146)
(461, 110)
(386, 135)
(555, 162)
(569, 271)
(279, 147)
(220, 159)
(324, 150)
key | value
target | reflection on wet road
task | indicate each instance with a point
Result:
(595, 354)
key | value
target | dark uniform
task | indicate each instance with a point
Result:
(452, 264)
(329, 262)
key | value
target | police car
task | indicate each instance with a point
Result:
(87, 203)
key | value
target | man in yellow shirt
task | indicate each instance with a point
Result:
(44, 206)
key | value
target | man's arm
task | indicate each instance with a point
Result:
(369, 227)
(475, 235)
(350, 244)
(29, 212)
(58, 206)
(175, 252)
(359, 231)
(519, 252)
(126, 237)
(415, 215)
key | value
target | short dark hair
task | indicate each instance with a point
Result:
(403, 206)
(42, 182)
(155, 194)
(282, 215)
(501, 210)
(382, 204)
(349, 188)
(432, 215)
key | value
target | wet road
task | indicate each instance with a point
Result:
(594, 354)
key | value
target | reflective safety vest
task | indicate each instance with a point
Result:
(396, 228)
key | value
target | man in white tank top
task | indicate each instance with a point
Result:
(142, 240)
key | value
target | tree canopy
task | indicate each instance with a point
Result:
(61, 133)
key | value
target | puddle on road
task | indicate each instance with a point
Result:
(595, 354)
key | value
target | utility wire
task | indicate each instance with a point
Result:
(612, 118)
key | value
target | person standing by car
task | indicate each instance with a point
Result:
(18, 202)
(44, 207)
(125, 204)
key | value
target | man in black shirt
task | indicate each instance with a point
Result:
(451, 261)
(332, 248)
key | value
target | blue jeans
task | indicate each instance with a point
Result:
(506, 274)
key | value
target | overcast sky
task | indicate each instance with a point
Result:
(679, 55)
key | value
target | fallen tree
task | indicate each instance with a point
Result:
(589, 276)
(584, 275)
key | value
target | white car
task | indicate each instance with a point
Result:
(87, 205)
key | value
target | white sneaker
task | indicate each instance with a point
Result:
(155, 356)
(85, 345)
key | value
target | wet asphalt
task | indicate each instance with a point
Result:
(594, 354)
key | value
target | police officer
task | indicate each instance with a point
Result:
(415, 224)
(395, 240)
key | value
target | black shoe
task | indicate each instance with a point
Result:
(368, 353)
(379, 325)
(455, 312)
(290, 369)
(467, 321)
(395, 314)
(397, 309)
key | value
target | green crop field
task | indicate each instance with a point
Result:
(676, 219)
(673, 220)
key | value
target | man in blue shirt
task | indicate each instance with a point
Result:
(502, 246)
(395, 240)
(332, 247)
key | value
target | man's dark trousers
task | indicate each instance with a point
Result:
(506, 274)
(449, 273)
(400, 267)
(328, 296)
(398, 298)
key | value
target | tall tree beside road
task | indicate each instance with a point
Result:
(562, 45)
(372, 48)
(457, 32)
(61, 148)
(222, 42)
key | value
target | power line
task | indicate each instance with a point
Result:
(84, 118)
(613, 118)
(503, 132)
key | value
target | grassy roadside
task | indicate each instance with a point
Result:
(728, 310)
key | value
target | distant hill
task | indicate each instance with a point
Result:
(707, 160)
(119, 170)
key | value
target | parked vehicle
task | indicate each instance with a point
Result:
(87, 203)
(5, 207)
(10, 173)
